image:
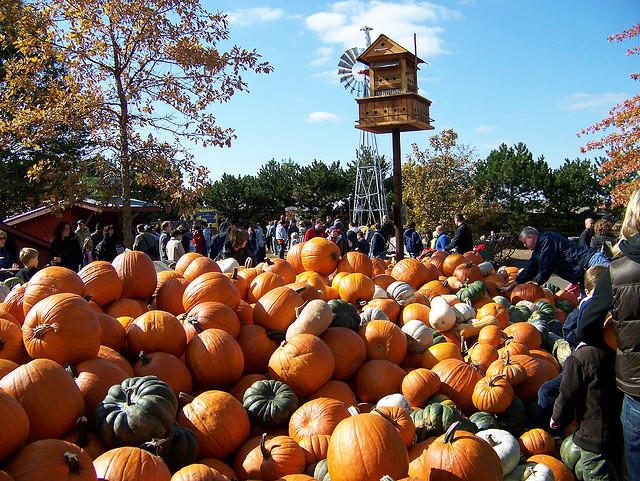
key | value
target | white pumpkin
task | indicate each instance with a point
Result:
(531, 472)
(442, 317)
(402, 293)
(380, 293)
(419, 336)
(372, 314)
(464, 312)
(502, 300)
(395, 400)
(486, 268)
(528, 304)
(228, 265)
(505, 445)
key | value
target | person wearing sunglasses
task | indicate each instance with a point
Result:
(65, 250)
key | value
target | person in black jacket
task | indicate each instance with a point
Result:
(378, 243)
(463, 238)
(618, 291)
(106, 249)
(236, 247)
(588, 393)
(587, 233)
(65, 250)
(413, 240)
(553, 253)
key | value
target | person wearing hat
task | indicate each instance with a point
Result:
(82, 232)
(338, 237)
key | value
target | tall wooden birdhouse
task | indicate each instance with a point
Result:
(393, 102)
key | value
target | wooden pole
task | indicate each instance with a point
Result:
(397, 194)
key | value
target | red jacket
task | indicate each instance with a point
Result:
(311, 233)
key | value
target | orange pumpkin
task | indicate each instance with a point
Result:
(305, 363)
(199, 266)
(536, 441)
(101, 281)
(210, 314)
(378, 378)
(451, 262)
(419, 385)
(560, 471)
(169, 295)
(496, 310)
(526, 333)
(294, 257)
(275, 311)
(185, 260)
(137, 273)
(118, 463)
(492, 394)
(335, 389)
(156, 331)
(257, 346)
(349, 351)
(212, 286)
(355, 261)
(49, 281)
(527, 292)
(384, 340)
(468, 272)
(320, 255)
(458, 380)
(413, 272)
(214, 347)
(317, 416)
(167, 368)
(15, 422)
(400, 419)
(356, 289)
(263, 283)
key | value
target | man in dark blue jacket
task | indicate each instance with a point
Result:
(413, 240)
(553, 253)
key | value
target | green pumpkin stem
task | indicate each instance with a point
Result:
(73, 462)
(301, 289)
(144, 358)
(129, 392)
(449, 435)
(268, 261)
(82, 425)
(88, 297)
(193, 320)
(353, 410)
(71, 370)
(183, 396)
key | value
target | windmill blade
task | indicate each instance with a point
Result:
(348, 61)
(352, 55)
(344, 78)
(349, 82)
(344, 71)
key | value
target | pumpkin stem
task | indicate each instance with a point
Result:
(88, 297)
(448, 437)
(266, 453)
(276, 335)
(468, 265)
(129, 391)
(73, 462)
(299, 309)
(234, 275)
(150, 302)
(386, 416)
(193, 320)
(144, 358)
(42, 329)
(353, 410)
(71, 370)
(83, 431)
(155, 444)
(301, 289)
(528, 472)
(494, 379)
(492, 442)
(386, 477)
(183, 396)
(268, 261)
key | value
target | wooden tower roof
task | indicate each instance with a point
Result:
(384, 48)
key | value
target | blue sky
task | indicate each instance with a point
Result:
(531, 71)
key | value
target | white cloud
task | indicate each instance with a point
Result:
(484, 128)
(249, 16)
(323, 56)
(398, 20)
(322, 117)
(329, 75)
(580, 101)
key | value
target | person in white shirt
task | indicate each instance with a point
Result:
(175, 249)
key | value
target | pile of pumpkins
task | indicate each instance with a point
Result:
(314, 367)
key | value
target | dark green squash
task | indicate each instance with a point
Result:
(555, 326)
(484, 420)
(177, 449)
(570, 453)
(270, 403)
(514, 418)
(473, 292)
(540, 321)
(547, 308)
(437, 336)
(135, 412)
(345, 314)
(435, 419)
(565, 306)
(552, 287)
(319, 470)
(518, 314)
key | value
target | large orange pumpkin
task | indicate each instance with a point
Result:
(214, 347)
(457, 382)
(101, 281)
(275, 311)
(294, 257)
(355, 261)
(419, 385)
(356, 288)
(366, 447)
(349, 351)
(185, 260)
(169, 295)
(62, 328)
(257, 347)
(527, 292)
(317, 416)
(282, 268)
(496, 310)
(48, 395)
(14, 423)
(138, 274)
(49, 281)
(129, 463)
(51, 459)
(211, 286)
(199, 266)
(305, 363)
(378, 378)
(320, 255)
(384, 340)
(208, 416)
(156, 331)
(451, 262)
(413, 272)
(211, 314)
(167, 368)
(263, 283)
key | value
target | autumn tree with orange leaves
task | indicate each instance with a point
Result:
(621, 171)
(141, 76)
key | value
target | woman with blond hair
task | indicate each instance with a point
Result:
(618, 291)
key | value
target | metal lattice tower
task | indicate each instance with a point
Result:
(369, 204)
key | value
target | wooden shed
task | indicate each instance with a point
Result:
(35, 227)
